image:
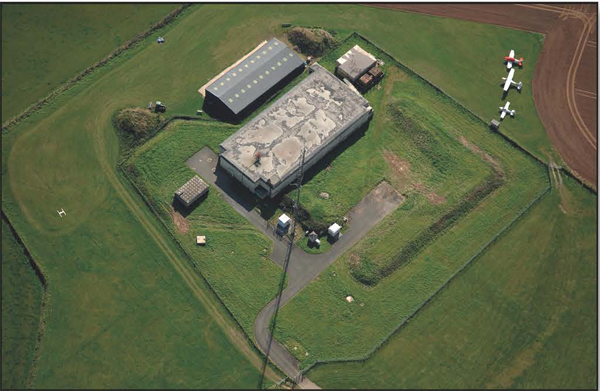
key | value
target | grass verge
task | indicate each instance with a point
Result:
(543, 273)
(22, 295)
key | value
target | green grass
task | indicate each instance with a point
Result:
(21, 310)
(236, 255)
(44, 45)
(362, 158)
(120, 315)
(523, 315)
(432, 142)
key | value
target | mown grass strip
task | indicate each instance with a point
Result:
(172, 16)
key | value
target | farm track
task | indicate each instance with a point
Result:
(237, 337)
(567, 29)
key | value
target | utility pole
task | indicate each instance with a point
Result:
(285, 266)
(296, 203)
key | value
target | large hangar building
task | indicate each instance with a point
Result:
(317, 114)
(270, 64)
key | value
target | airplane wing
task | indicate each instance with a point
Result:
(512, 54)
(509, 80)
(503, 114)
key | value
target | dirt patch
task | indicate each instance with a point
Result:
(483, 155)
(430, 195)
(402, 173)
(401, 169)
(182, 224)
(354, 259)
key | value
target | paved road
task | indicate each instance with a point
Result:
(303, 267)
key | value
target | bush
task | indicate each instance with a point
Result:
(137, 121)
(313, 42)
(305, 219)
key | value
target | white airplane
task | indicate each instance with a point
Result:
(504, 110)
(510, 60)
(509, 81)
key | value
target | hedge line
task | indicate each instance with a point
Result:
(115, 53)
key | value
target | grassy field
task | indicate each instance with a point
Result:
(542, 274)
(236, 255)
(367, 158)
(44, 45)
(414, 250)
(126, 309)
(21, 305)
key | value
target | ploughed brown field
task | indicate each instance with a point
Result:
(564, 86)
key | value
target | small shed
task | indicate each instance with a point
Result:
(191, 191)
(376, 72)
(283, 222)
(201, 240)
(160, 40)
(494, 124)
(334, 230)
(355, 63)
(365, 80)
(312, 237)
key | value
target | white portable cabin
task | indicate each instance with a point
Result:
(283, 222)
(334, 230)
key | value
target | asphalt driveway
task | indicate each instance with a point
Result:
(302, 267)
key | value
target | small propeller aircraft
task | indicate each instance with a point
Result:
(504, 110)
(509, 81)
(510, 60)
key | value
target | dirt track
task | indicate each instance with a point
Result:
(565, 79)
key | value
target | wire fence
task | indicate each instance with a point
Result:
(512, 142)
(477, 254)
(197, 269)
(277, 232)
(385, 339)
(115, 53)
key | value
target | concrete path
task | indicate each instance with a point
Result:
(303, 267)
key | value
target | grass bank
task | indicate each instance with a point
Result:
(21, 310)
(521, 316)
(442, 158)
(236, 258)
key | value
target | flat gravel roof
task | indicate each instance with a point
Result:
(312, 114)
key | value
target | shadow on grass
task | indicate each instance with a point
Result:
(326, 160)
(183, 210)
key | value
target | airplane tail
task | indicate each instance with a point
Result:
(520, 85)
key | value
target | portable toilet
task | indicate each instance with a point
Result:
(283, 223)
(334, 231)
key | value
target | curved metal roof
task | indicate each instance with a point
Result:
(255, 75)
